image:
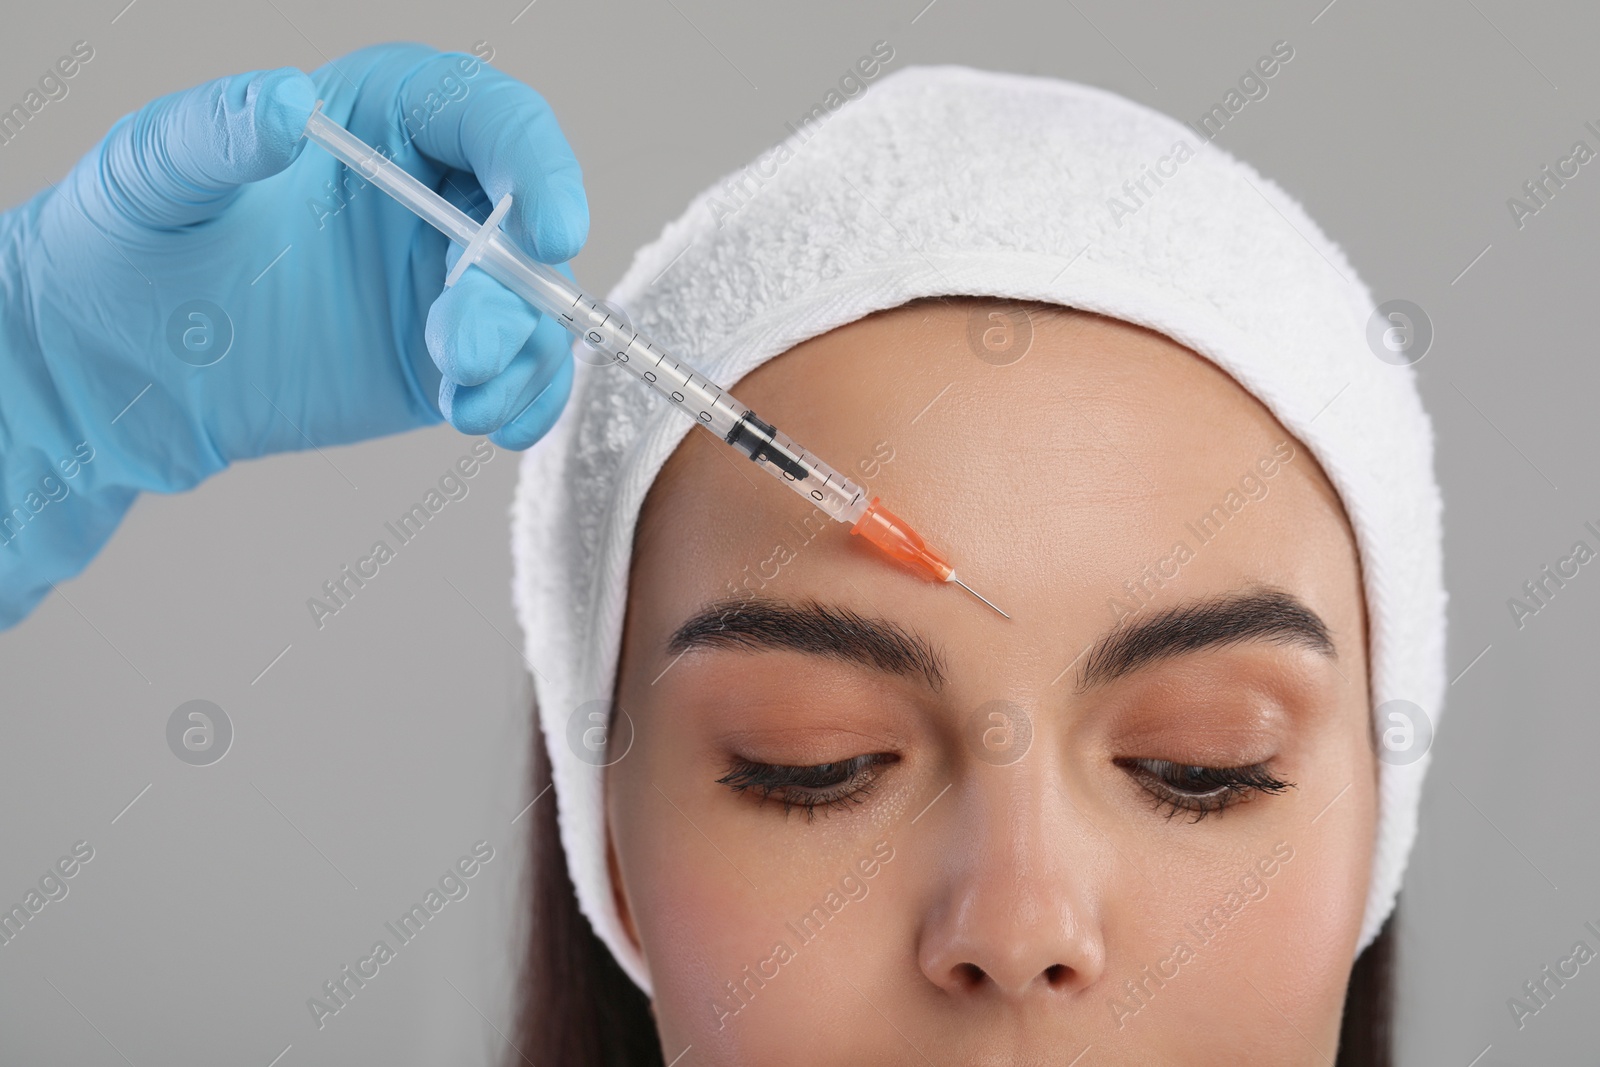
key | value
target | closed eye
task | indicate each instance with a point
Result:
(826, 785)
(1201, 790)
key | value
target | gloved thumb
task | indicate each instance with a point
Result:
(180, 158)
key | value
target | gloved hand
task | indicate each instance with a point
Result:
(205, 287)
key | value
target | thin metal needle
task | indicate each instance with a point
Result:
(974, 592)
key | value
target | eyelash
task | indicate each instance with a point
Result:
(823, 785)
(1221, 787)
(845, 782)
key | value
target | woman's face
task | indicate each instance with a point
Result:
(866, 820)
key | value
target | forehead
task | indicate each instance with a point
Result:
(1106, 460)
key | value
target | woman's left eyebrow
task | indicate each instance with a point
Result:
(814, 628)
(1259, 614)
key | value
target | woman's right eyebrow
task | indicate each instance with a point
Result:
(814, 628)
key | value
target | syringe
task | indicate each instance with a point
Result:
(604, 329)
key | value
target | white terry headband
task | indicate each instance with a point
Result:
(945, 181)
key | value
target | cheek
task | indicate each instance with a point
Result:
(1219, 948)
(1214, 967)
(1301, 955)
(733, 974)
(698, 916)
(1298, 945)
(714, 894)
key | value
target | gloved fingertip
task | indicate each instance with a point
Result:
(476, 329)
(447, 396)
(561, 222)
(512, 441)
(528, 428)
(284, 101)
(539, 417)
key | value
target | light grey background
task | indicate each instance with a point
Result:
(375, 752)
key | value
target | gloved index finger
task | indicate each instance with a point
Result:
(467, 114)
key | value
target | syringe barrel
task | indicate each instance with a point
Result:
(605, 330)
(778, 454)
(702, 401)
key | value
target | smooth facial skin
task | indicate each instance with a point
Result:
(998, 883)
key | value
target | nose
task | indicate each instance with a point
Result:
(1013, 914)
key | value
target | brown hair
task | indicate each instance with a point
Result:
(578, 1008)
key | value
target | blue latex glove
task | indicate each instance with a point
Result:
(205, 287)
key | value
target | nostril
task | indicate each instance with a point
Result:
(970, 975)
(1057, 975)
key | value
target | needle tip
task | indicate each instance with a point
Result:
(975, 593)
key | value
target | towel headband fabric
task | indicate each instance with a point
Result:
(947, 181)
